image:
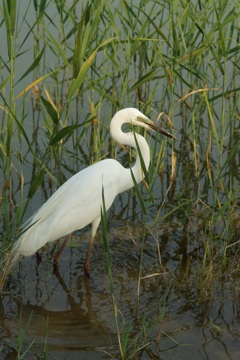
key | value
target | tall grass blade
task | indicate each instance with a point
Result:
(158, 30)
(9, 11)
(22, 335)
(52, 112)
(139, 195)
(78, 50)
(145, 78)
(57, 48)
(83, 71)
(34, 64)
(36, 183)
(66, 131)
(21, 128)
(35, 82)
(109, 268)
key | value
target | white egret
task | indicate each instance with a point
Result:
(78, 201)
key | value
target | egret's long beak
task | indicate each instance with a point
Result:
(161, 131)
(151, 125)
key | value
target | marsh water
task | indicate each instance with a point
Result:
(70, 316)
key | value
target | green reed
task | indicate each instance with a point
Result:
(129, 346)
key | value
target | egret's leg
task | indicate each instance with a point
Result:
(90, 246)
(88, 257)
(59, 253)
(38, 258)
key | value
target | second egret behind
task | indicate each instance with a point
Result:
(78, 201)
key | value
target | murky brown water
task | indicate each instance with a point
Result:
(73, 318)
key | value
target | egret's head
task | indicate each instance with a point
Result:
(139, 119)
(135, 117)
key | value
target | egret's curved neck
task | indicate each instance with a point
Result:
(129, 139)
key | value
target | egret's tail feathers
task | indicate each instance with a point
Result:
(22, 246)
(13, 256)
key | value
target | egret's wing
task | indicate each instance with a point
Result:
(59, 198)
(74, 205)
(80, 191)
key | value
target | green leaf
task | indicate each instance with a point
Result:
(34, 64)
(84, 69)
(35, 184)
(66, 131)
(143, 166)
(81, 75)
(35, 82)
(5, 82)
(159, 31)
(139, 195)
(21, 128)
(143, 79)
(7, 20)
(12, 7)
(51, 110)
(58, 48)
(107, 94)
(77, 58)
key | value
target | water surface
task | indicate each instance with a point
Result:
(71, 315)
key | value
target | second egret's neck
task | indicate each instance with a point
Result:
(129, 139)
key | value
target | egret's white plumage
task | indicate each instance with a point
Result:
(78, 201)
